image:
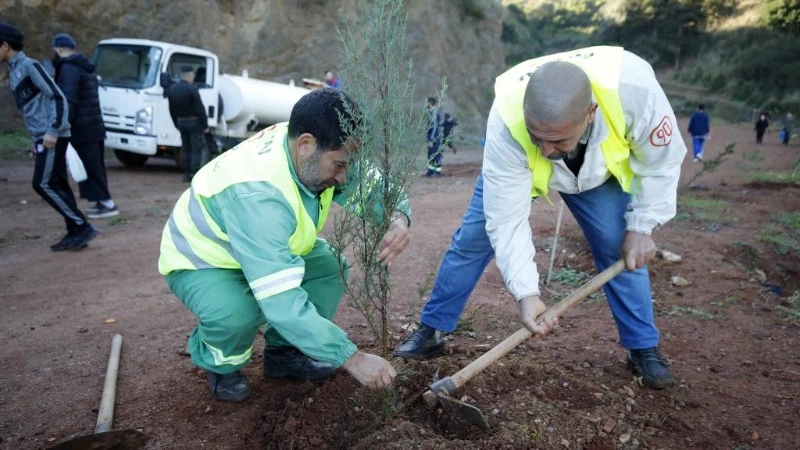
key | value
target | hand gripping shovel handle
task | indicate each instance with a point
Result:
(467, 373)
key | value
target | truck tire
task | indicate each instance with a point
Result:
(129, 159)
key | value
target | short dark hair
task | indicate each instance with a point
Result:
(319, 113)
(15, 45)
(701, 106)
(432, 100)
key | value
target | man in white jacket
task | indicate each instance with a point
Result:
(594, 125)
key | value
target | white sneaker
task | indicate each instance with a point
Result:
(103, 212)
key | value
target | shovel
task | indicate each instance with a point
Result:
(103, 438)
(440, 392)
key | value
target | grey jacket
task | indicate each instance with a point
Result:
(44, 107)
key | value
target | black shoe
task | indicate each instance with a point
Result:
(62, 245)
(282, 362)
(229, 387)
(650, 365)
(423, 343)
(81, 238)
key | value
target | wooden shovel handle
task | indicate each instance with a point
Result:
(557, 310)
(105, 415)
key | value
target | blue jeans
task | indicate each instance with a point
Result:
(434, 157)
(698, 142)
(600, 212)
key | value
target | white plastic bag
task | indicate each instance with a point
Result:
(75, 165)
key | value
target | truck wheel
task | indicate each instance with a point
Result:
(129, 159)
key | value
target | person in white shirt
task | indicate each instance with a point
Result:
(594, 125)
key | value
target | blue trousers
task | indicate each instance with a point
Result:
(600, 212)
(434, 157)
(698, 142)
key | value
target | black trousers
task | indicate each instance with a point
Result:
(92, 154)
(51, 183)
(193, 147)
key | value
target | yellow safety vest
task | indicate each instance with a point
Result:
(602, 65)
(193, 240)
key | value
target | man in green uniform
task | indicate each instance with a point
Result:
(240, 250)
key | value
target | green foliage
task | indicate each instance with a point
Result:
(472, 9)
(14, 145)
(783, 233)
(706, 210)
(570, 277)
(551, 28)
(727, 301)
(756, 67)
(662, 31)
(787, 177)
(792, 308)
(782, 15)
(782, 241)
(709, 165)
(391, 135)
(677, 310)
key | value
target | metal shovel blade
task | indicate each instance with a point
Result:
(110, 440)
(463, 410)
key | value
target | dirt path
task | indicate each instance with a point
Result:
(734, 354)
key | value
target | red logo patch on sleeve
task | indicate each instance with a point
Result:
(661, 136)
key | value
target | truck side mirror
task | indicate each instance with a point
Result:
(165, 81)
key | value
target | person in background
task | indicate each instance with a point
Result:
(189, 116)
(761, 126)
(76, 77)
(699, 128)
(45, 111)
(332, 80)
(434, 137)
(788, 128)
(448, 126)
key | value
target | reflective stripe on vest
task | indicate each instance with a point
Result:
(602, 65)
(193, 240)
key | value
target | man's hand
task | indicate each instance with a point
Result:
(395, 241)
(49, 141)
(370, 370)
(637, 250)
(529, 309)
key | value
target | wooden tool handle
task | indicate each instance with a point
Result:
(557, 310)
(105, 416)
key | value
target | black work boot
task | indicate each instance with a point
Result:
(282, 362)
(650, 365)
(423, 343)
(229, 387)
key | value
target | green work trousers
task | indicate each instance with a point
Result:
(229, 315)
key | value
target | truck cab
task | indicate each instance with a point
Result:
(132, 88)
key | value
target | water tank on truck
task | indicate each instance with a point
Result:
(249, 104)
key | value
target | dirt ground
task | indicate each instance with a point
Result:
(733, 352)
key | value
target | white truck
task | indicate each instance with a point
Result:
(134, 75)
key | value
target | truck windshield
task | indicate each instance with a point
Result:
(127, 65)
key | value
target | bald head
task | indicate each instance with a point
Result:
(558, 92)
